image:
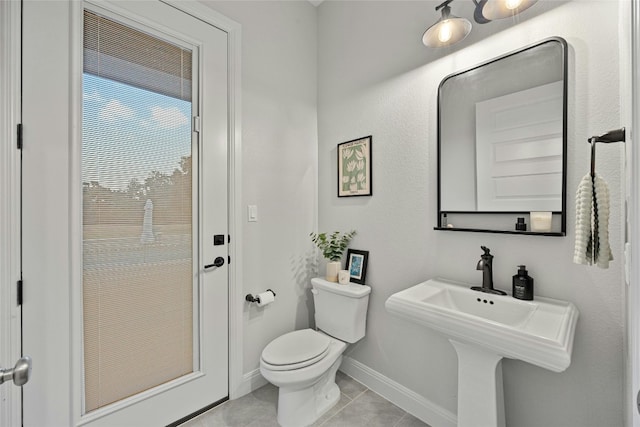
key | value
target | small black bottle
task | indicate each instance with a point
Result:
(521, 225)
(522, 284)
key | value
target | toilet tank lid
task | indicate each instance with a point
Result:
(351, 290)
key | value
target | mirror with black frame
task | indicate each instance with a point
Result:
(502, 144)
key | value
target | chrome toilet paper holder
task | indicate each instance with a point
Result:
(251, 298)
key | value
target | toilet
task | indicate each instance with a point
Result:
(303, 364)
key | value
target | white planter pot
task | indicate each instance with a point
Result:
(332, 271)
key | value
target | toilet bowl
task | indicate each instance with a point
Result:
(303, 363)
(306, 380)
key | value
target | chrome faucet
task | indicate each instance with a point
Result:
(486, 266)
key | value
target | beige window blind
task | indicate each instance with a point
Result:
(124, 54)
(138, 269)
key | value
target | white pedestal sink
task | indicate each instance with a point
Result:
(484, 328)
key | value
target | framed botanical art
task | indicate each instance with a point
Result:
(354, 168)
(357, 265)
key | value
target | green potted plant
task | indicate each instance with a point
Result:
(332, 247)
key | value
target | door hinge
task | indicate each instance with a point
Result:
(229, 259)
(196, 124)
(19, 292)
(19, 136)
(228, 238)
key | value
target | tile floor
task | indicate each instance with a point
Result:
(358, 407)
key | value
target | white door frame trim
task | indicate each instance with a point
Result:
(10, 345)
(633, 168)
(633, 221)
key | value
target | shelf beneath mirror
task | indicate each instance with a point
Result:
(478, 230)
(501, 222)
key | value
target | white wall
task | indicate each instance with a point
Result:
(375, 77)
(279, 163)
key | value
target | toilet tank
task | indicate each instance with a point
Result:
(341, 310)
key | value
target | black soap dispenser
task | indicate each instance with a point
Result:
(522, 284)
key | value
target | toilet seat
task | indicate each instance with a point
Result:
(295, 350)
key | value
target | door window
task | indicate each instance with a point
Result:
(138, 228)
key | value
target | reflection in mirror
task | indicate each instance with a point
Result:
(502, 140)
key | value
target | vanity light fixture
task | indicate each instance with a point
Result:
(451, 29)
(448, 30)
(491, 10)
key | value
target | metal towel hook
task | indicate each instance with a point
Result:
(617, 135)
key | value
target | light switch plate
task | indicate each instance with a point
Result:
(252, 213)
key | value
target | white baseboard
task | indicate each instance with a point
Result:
(250, 381)
(424, 409)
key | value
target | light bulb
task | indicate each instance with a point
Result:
(512, 4)
(445, 32)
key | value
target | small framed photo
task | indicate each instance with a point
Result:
(354, 168)
(357, 262)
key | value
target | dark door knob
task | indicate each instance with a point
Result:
(218, 262)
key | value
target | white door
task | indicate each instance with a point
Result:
(124, 205)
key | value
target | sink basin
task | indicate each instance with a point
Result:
(539, 331)
(490, 308)
(484, 328)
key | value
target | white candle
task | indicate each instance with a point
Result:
(343, 277)
(540, 221)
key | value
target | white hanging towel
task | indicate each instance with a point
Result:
(601, 246)
(584, 202)
(592, 223)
